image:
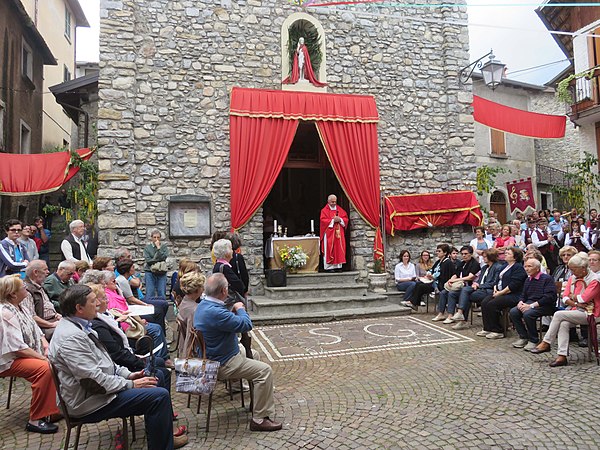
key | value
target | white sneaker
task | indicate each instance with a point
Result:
(407, 303)
(458, 316)
(448, 320)
(461, 326)
(520, 343)
(423, 304)
(482, 333)
(495, 336)
(530, 346)
(439, 317)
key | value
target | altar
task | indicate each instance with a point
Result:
(309, 244)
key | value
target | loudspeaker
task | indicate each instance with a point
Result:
(276, 278)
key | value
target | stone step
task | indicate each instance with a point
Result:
(316, 291)
(319, 279)
(269, 306)
(329, 316)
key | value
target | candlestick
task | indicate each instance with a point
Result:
(312, 226)
(275, 227)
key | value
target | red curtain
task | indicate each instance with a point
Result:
(39, 173)
(352, 151)
(259, 147)
(517, 121)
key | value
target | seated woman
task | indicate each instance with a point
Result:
(480, 289)
(441, 272)
(103, 263)
(23, 353)
(81, 267)
(117, 302)
(465, 273)
(405, 272)
(192, 285)
(562, 272)
(506, 294)
(504, 241)
(186, 265)
(581, 296)
(480, 243)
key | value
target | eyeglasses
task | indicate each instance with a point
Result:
(15, 230)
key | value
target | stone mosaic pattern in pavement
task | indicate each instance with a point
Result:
(469, 394)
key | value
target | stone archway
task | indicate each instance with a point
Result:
(498, 205)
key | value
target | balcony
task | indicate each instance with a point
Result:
(551, 176)
(586, 94)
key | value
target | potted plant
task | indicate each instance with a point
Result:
(293, 258)
(378, 278)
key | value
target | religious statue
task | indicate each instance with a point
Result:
(302, 68)
(333, 221)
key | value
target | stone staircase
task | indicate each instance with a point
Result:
(320, 297)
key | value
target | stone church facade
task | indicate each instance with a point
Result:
(166, 71)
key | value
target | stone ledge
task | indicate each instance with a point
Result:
(113, 177)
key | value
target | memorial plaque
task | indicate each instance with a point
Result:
(189, 216)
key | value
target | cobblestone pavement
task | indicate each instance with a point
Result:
(462, 393)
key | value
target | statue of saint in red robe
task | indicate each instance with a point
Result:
(302, 68)
(334, 221)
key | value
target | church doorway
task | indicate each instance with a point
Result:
(301, 189)
(498, 205)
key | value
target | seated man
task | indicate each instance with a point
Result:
(59, 281)
(93, 386)
(219, 327)
(37, 301)
(126, 269)
(538, 299)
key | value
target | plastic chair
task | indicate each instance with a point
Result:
(78, 423)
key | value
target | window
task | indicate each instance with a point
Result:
(67, 23)
(27, 61)
(25, 138)
(2, 112)
(498, 142)
(66, 73)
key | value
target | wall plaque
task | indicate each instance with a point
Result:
(189, 216)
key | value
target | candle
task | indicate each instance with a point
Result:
(312, 226)
(275, 226)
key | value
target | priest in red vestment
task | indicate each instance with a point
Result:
(334, 222)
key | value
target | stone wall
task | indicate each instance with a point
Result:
(166, 69)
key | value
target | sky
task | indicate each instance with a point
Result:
(512, 29)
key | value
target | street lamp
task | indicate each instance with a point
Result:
(492, 71)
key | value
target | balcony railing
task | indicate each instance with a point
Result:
(551, 176)
(586, 94)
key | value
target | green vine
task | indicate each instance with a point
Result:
(378, 266)
(584, 183)
(305, 29)
(486, 178)
(82, 193)
(563, 91)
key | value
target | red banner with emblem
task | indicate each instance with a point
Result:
(520, 196)
(440, 209)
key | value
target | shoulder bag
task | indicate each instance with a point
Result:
(196, 375)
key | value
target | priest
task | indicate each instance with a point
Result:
(334, 222)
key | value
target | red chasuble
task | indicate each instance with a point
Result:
(336, 237)
(309, 74)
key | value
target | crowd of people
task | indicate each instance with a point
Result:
(544, 267)
(78, 318)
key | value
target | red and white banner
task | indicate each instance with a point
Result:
(520, 196)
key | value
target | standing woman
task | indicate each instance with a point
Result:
(23, 351)
(576, 239)
(504, 241)
(405, 273)
(156, 277)
(480, 243)
(238, 263)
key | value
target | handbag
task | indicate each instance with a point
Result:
(454, 285)
(196, 375)
(159, 268)
(136, 328)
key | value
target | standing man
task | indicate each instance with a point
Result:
(13, 256)
(43, 234)
(219, 326)
(545, 243)
(334, 222)
(73, 247)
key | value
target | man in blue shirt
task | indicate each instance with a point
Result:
(220, 327)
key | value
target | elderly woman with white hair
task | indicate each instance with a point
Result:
(581, 297)
(223, 251)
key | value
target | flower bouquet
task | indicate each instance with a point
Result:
(293, 258)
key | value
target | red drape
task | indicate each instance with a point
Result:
(259, 147)
(517, 121)
(39, 173)
(440, 209)
(352, 150)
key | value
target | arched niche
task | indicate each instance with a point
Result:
(314, 25)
